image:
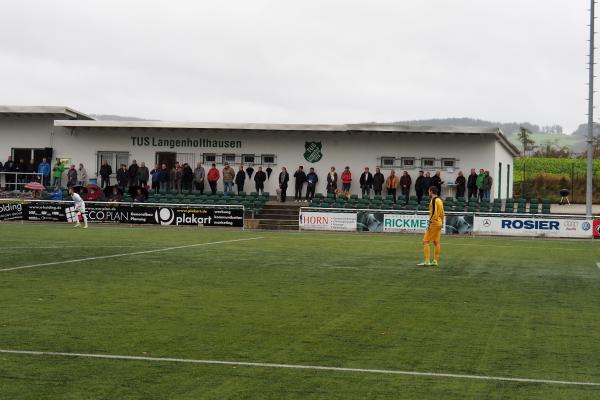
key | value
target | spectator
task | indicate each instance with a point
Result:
(132, 174)
(284, 178)
(175, 178)
(300, 178)
(487, 186)
(460, 183)
(437, 182)
(419, 186)
(105, 173)
(311, 185)
(165, 175)
(426, 183)
(116, 195)
(405, 184)
(346, 180)
(9, 179)
(21, 169)
(366, 183)
(228, 178)
(122, 178)
(56, 194)
(187, 177)
(140, 197)
(81, 176)
(472, 184)
(30, 169)
(259, 180)
(378, 181)
(199, 175)
(391, 184)
(71, 176)
(240, 178)
(143, 175)
(332, 179)
(57, 173)
(44, 169)
(213, 177)
(479, 183)
(155, 173)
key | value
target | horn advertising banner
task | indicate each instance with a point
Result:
(328, 221)
(541, 227)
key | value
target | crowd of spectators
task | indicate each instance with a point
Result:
(181, 177)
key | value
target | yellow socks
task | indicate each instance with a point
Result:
(426, 252)
(436, 252)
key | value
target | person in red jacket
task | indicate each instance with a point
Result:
(346, 180)
(213, 178)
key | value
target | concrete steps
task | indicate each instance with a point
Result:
(279, 216)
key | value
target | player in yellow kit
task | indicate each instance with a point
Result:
(434, 229)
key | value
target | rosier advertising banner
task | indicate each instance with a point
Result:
(539, 227)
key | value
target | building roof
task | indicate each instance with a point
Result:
(53, 111)
(341, 128)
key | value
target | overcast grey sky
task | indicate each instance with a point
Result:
(299, 61)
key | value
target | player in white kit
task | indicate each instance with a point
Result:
(80, 207)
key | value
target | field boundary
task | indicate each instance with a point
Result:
(299, 366)
(127, 254)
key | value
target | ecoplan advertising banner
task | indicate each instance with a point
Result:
(129, 214)
(328, 221)
(507, 226)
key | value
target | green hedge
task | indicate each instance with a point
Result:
(556, 166)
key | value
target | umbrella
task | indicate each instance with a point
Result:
(34, 186)
(269, 171)
(108, 191)
(93, 186)
(249, 171)
(79, 189)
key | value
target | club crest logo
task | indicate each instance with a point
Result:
(313, 151)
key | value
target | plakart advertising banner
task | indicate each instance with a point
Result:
(542, 227)
(328, 221)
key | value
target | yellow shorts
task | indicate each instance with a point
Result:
(433, 233)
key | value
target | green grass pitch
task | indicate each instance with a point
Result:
(496, 307)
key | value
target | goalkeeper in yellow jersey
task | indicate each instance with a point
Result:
(434, 229)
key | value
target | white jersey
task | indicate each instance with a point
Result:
(79, 204)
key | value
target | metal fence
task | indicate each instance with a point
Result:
(14, 181)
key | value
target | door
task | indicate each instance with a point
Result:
(165, 157)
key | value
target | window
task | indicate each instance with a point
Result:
(268, 159)
(408, 162)
(209, 158)
(448, 162)
(114, 159)
(187, 158)
(248, 158)
(387, 162)
(428, 163)
(228, 158)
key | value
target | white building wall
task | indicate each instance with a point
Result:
(356, 150)
(504, 158)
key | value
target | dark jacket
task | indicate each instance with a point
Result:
(460, 183)
(105, 171)
(122, 177)
(240, 178)
(10, 166)
(165, 174)
(472, 181)
(300, 177)
(312, 178)
(143, 174)
(366, 179)
(187, 175)
(332, 181)
(132, 173)
(419, 184)
(437, 182)
(260, 177)
(378, 180)
(405, 182)
(284, 178)
(425, 184)
(155, 175)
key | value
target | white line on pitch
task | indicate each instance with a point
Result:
(65, 247)
(126, 254)
(298, 366)
(598, 264)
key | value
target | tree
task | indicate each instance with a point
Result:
(525, 138)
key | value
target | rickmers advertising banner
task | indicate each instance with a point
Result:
(507, 226)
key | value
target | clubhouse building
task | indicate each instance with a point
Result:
(60, 132)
